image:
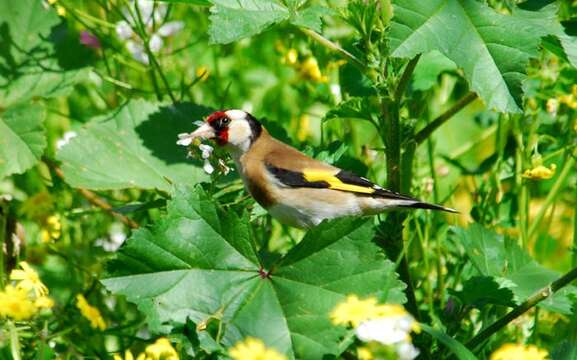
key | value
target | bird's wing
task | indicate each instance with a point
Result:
(328, 177)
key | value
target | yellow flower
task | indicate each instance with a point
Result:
(161, 350)
(552, 105)
(15, 303)
(52, 2)
(52, 229)
(574, 90)
(519, 352)
(28, 280)
(44, 302)
(202, 73)
(303, 131)
(363, 353)
(61, 11)
(354, 311)
(254, 349)
(291, 57)
(310, 70)
(540, 172)
(568, 100)
(90, 312)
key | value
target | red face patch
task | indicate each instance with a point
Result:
(215, 116)
(222, 137)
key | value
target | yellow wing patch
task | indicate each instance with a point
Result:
(334, 182)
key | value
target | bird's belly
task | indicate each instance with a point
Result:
(305, 207)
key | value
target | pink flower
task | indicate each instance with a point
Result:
(89, 40)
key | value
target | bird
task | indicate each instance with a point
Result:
(294, 188)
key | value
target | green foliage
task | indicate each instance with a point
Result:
(504, 261)
(286, 303)
(23, 140)
(93, 95)
(493, 49)
(136, 147)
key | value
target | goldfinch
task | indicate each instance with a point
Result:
(294, 188)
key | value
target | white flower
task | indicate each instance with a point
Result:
(206, 150)
(207, 167)
(155, 43)
(123, 30)
(137, 51)
(116, 237)
(406, 351)
(152, 16)
(184, 139)
(170, 28)
(65, 139)
(387, 331)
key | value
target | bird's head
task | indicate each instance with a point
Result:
(234, 129)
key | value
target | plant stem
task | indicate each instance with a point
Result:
(532, 301)
(552, 195)
(422, 135)
(146, 40)
(334, 46)
(14, 341)
(574, 249)
(95, 200)
(3, 234)
(405, 77)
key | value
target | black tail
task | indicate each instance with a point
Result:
(424, 205)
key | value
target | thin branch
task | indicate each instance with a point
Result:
(422, 135)
(405, 77)
(97, 201)
(532, 301)
(333, 46)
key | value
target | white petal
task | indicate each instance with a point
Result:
(208, 168)
(137, 51)
(198, 122)
(206, 150)
(123, 30)
(159, 12)
(155, 43)
(170, 28)
(184, 139)
(383, 330)
(145, 7)
(406, 351)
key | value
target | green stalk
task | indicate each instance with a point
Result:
(334, 46)
(552, 195)
(14, 341)
(3, 224)
(574, 257)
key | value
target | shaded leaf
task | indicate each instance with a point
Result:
(199, 263)
(479, 291)
(502, 259)
(352, 108)
(22, 141)
(134, 146)
(493, 49)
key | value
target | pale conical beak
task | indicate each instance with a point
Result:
(205, 131)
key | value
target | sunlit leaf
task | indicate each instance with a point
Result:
(22, 141)
(493, 49)
(134, 146)
(428, 69)
(199, 263)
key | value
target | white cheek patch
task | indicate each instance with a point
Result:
(236, 114)
(239, 134)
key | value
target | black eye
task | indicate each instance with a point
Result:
(225, 121)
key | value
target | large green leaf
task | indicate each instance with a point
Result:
(501, 258)
(199, 263)
(234, 20)
(27, 63)
(493, 49)
(135, 146)
(22, 141)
